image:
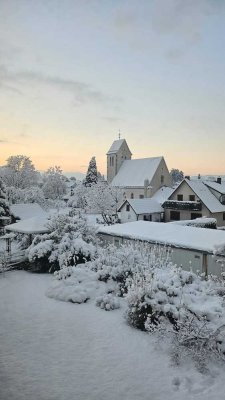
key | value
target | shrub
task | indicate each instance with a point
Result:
(107, 302)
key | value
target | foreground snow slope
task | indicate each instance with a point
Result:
(52, 350)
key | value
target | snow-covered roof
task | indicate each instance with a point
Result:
(29, 226)
(144, 206)
(27, 210)
(133, 173)
(162, 194)
(116, 146)
(205, 195)
(219, 187)
(187, 237)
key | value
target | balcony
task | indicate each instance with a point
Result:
(183, 205)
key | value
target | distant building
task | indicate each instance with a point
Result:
(139, 178)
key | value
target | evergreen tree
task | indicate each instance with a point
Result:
(176, 175)
(4, 207)
(92, 174)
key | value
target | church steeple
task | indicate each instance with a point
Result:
(118, 152)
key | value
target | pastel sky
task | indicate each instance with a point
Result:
(72, 73)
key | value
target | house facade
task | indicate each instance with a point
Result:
(138, 178)
(191, 200)
(140, 210)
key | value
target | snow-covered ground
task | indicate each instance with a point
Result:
(52, 350)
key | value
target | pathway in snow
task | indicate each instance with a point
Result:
(52, 350)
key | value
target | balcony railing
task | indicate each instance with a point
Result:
(183, 205)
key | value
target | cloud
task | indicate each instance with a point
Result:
(82, 92)
(112, 120)
(4, 141)
(166, 22)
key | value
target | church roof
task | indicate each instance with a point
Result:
(116, 146)
(133, 173)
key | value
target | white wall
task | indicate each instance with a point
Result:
(127, 216)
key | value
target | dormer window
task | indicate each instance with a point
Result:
(192, 197)
(180, 197)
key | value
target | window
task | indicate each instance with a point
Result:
(132, 195)
(224, 216)
(112, 161)
(175, 215)
(196, 215)
(141, 196)
(192, 197)
(128, 207)
(180, 197)
(162, 178)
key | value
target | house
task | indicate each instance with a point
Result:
(140, 209)
(190, 247)
(194, 199)
(139, 178)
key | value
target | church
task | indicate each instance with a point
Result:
(139, 178)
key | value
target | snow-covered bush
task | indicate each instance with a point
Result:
(107, 302)
(70, 241)
(172, 294)
(202, 222)
(74, 284)
(119, 263)
(171, 300)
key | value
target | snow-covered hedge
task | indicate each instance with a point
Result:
(203, 222)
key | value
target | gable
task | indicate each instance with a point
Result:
(202, 192)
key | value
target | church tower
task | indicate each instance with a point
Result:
(118, 152)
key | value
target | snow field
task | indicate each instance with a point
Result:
(53, 350)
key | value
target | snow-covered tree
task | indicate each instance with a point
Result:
(92, 174)
(19, 172)
(70, 241)
(4, 206)
(176, 175)
(54, 183)
(29, 195)
(78, 200)
(104, 199)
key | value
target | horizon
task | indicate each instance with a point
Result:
(75, 74)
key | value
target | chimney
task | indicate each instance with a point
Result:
(218, 180)
(146, 184)
(187, 177)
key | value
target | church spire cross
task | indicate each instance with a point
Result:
(119, 134)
